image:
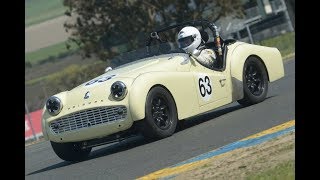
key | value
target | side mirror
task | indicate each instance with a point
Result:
(108, 69)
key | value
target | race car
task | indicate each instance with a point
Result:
(160, 86)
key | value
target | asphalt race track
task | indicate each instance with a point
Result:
(135, 157)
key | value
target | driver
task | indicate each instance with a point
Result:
(189, 39)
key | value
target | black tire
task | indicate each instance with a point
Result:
(161, 114)
(255, 82)
(70, 151)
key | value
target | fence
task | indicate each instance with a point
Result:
(33, 128)
(256, 26)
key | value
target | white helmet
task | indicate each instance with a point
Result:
(189, 39)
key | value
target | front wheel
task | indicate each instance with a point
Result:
(70, 151)
(255, 82)
(161, 114)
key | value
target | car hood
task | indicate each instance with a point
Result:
(162, 63)
(168, 62)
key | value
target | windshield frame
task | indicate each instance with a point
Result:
(203, 23)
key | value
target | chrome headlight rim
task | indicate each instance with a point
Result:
(115, 89)
(51, 102)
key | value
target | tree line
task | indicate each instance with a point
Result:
(101, 24)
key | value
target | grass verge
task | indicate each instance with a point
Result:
(58, 73)
(37, 11)
(283, 171)
(285, 43)
(51, 52)
(37, 80)
(273, 159)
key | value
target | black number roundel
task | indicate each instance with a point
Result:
(205, 86)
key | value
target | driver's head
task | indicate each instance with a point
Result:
(189, 39)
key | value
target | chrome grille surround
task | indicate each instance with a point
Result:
(88, 118)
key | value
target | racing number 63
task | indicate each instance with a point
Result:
(204, 86)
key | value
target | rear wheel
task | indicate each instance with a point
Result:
(70, 151)
(255, 82)
(161, 114)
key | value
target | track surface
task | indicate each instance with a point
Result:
(135, 157)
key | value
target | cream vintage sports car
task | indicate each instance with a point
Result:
(158, 87)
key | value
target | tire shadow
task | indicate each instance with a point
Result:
(188, 123)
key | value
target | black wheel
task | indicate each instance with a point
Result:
(255, 82)
(70, 151)
(161, 114)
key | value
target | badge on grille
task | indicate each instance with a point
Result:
(87, 95)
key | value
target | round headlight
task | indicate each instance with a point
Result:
(54, 105)
(118, 90)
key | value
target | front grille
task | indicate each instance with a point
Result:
(88, 118)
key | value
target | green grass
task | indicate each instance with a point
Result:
(284, 171)
(285, 43)
(58, 73)
(36, 80)
(37, 11)
(53, 51)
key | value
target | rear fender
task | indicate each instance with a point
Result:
(240, 52)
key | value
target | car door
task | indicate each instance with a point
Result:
(211, 86)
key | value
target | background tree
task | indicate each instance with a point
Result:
(101, 24)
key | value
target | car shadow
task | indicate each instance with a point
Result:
(211, 115)
(110, 149)
(139, 140)
(55, 166)
(188, 123)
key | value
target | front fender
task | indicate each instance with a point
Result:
(179, 84)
